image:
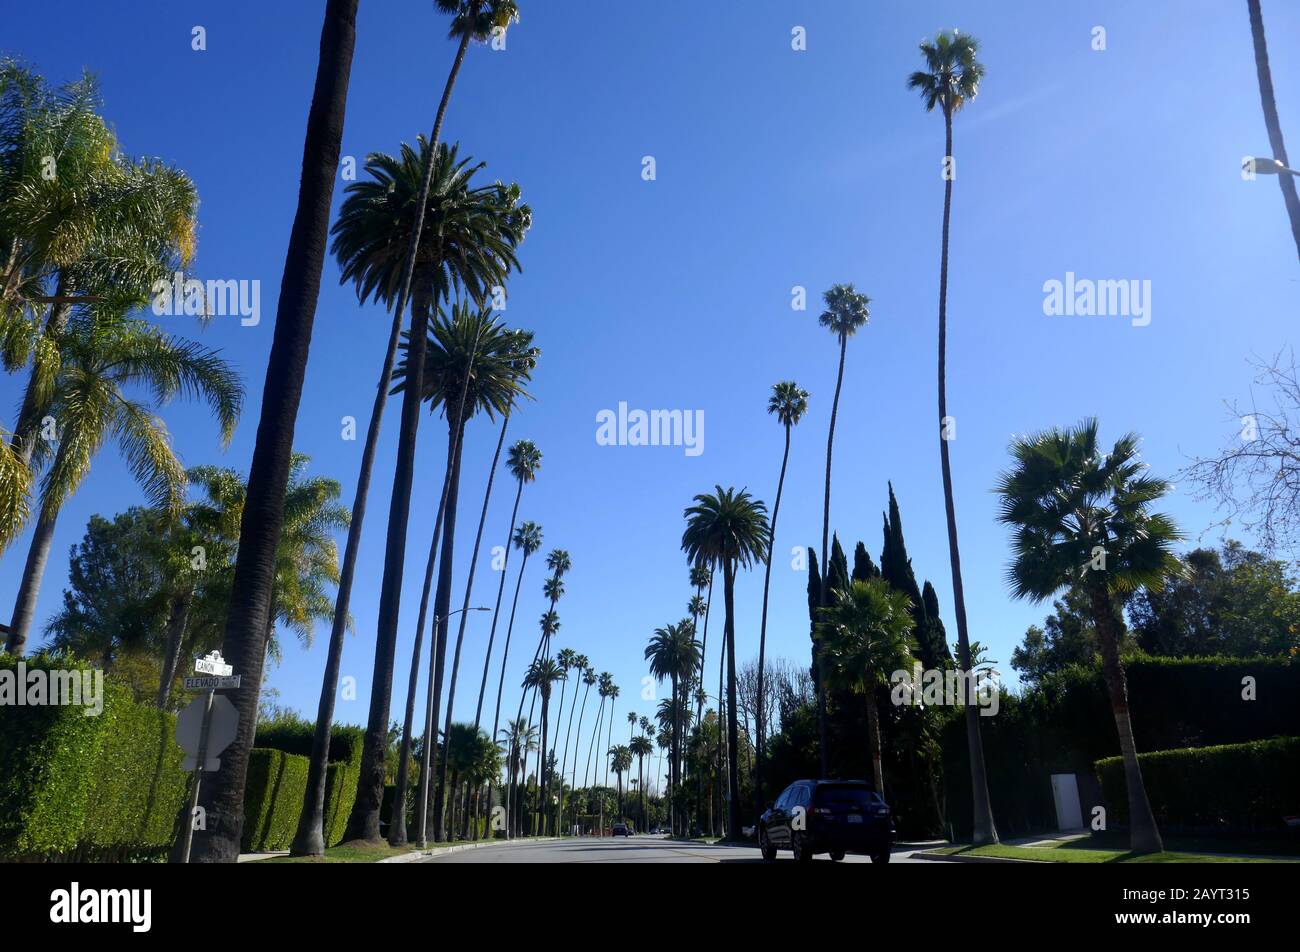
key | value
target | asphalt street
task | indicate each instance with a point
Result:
(636, 849)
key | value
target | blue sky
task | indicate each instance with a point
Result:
(775, 168)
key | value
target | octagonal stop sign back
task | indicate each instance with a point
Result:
(221, 731)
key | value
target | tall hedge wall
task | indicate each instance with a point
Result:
(1232, 787)
(103, 787)
(1066, 724)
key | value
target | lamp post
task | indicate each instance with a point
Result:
(430, 738)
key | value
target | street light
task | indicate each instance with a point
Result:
(429, 716)
(1267, 166)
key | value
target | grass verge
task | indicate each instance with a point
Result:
(1077, 853)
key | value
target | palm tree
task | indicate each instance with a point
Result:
(566, 658)
(102, 361)
(523, 460)
(609, 735)
(846, 313)
(519, 739)
(579, 663)
(866, 634)
(604, 682)
(588, 679)
(468, 224)
(950, 80)
(378, 241)
(541, 676)
(100, 232)
(1081, 520)
(496, 363)
(674, 654)
(700, 577)
(641, 746)
(1271, 121)
(789, 402)
(621, 760)
(528, 539)
(15, 491)
(631, 725)
(728, 529)
(559, 563)
(244, 646)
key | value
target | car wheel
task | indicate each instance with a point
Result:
(765, 845)
(802, 853)
(837, 855)
(880, 857)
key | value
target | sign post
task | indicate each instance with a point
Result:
(227, 724)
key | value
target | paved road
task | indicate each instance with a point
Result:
(636, 849)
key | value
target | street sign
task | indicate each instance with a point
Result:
(221, 731)
(213, 663)
(211, 684)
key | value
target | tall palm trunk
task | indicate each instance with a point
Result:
(441, 621)
(496, 715)
(540, 829)
(560, 720)
(573, 783)
(244, 645)
(178, 613)
(38, 554)
(984, 829)
(1271, 121)
(309, 839)
(496, 611)
(733, 761)
(589, 776)
(699, 714)
(824, 599)
(1144, 835)
(397, 818)
(640, 783)
(464, 610)
(873, 737)
(564, 759)
(762, 630)
(364, 821)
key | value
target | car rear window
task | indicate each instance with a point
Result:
(847, 796)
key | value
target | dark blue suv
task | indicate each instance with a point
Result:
(827, 816)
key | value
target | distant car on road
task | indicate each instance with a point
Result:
(621, 829)
(827, 816)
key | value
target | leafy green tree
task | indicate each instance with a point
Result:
(1235, 602)
(866, 634)
(1081, 518)
(728, 530)
(950, 80)
(863, 567)
(1067, 636)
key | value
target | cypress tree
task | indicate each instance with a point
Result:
(814, 600)
(863, 567)
(839, 565)
(936, 634)
(896, 569)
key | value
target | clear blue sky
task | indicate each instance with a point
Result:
(775, 168)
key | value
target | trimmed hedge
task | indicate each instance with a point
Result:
(340, 795)
(1065, 725)
(1232, 787)
(272, 799)
(103, 787)
(296, 738)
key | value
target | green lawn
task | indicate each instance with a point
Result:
(1080, 851)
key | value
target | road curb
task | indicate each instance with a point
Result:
(958, 858)
(418, 855)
